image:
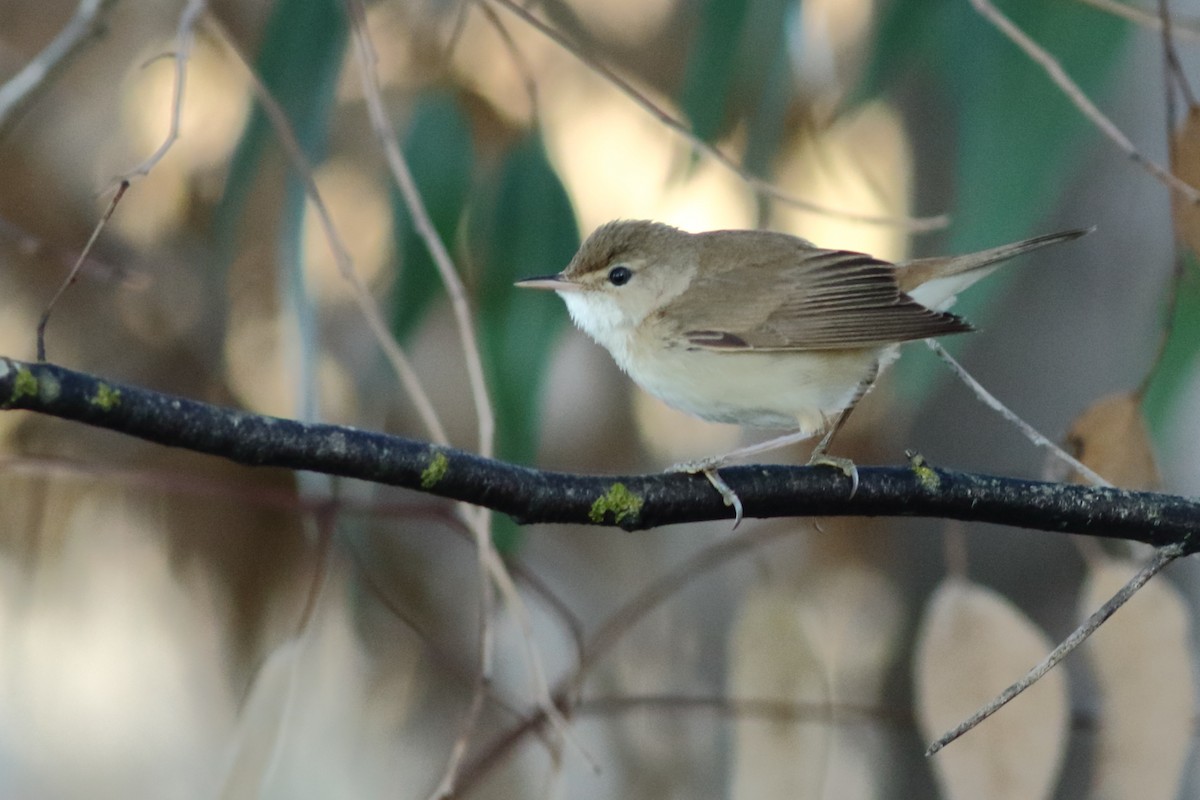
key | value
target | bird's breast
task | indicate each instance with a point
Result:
(792, 389)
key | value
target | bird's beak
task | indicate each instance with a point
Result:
(555, 283)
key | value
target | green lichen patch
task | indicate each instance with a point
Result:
(106, 397)
(25, 385)
(618, 501)
(439, 465)
(925, 473)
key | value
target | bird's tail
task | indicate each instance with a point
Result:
(935, 282)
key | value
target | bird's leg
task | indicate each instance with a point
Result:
(708, 466)
(703, 464)
(727, 494)
(820, 454)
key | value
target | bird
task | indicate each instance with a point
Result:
(760, 328)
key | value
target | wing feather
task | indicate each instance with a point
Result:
(826, 300)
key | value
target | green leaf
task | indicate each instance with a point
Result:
(1178, 364)
(298, 64)
(1015, 135)
(738, 69)
(1011, 136)
(522, 224)
(440, 153)
(711, 65)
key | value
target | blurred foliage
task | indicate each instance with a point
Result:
(1011, 136)
(299, 64)
(711, 66)
(1011, 149)
(1176, 369)
(440, 153)
(522, 224)
(1015, 136)
(738, 69)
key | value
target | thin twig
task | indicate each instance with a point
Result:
(1162, 557)
(1172, 71)
(73, 275)
(610, 632)
(456, 32)
(402, 175)
(185, 38)
(514, 52)
(302, 637)
(1172, 66)
(478, 519)
(326, 523)
(20, 91)
(760, 186)
(1059, 76)
(1028, 430)
(391, 348)
(1142, 17)
(491, 567)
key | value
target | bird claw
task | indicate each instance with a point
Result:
(843, 465)
(708, 468)
(727, 494)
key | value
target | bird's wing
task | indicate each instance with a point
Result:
(826, 300)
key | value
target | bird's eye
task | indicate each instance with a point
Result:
(620, 275)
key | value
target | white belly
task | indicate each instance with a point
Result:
(796, 390)
(767, 390)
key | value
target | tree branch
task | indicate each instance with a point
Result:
(632, 502)
(20, 91)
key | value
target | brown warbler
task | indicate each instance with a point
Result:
(758, 328)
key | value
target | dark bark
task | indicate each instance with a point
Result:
(628, 501)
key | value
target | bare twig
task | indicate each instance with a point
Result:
(514, 52)
(614, 627)
(456, 32)
(391, 348)
(185, 38)
(402, 175)
(1162, 557)
(304, 632)
(477, 520)
(22, 89)
(1031, 433)
(760, 186)
(73, 275)
(1058, 75)
(492, 567)
(1143, 17)
(1172, 74)
(1172, 67)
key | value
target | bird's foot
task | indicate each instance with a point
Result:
(843, 465)
(708, 468)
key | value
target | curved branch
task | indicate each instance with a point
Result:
(632, 502)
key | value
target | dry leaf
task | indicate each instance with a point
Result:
(1185, 163)
(1142, 663)
(1111, 438)
(828, 644)
(972, 644)
(321, 719)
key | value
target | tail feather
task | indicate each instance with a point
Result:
(919, 272)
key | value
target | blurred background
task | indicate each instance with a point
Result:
(175, 626)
